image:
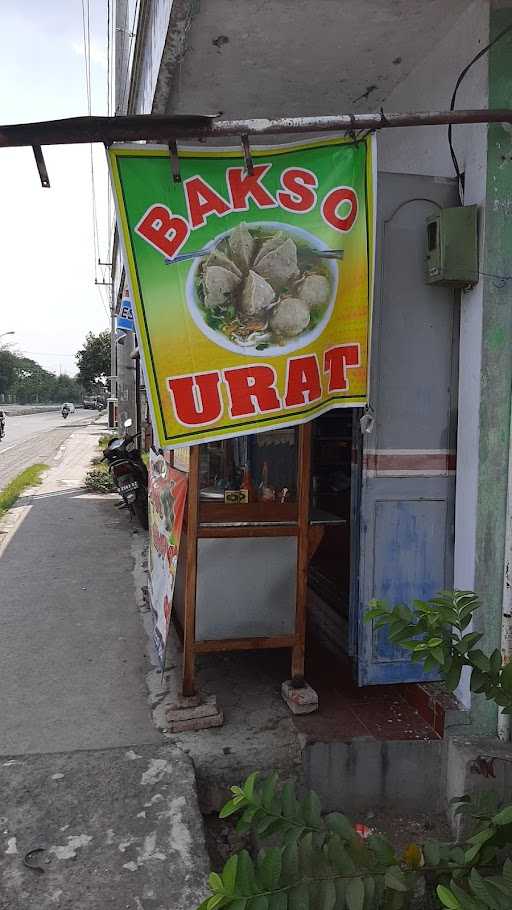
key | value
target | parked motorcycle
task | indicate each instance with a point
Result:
(129, 474)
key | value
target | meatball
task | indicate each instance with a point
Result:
(314, 290)
(290, 317)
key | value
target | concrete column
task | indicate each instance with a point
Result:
(496, 363)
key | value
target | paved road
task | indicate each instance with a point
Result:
(33, 438)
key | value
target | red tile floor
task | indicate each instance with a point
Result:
(347, 711)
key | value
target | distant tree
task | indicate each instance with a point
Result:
(7, 370)
(32, 382)
(93, 359)
(24, 381)
(67, 388)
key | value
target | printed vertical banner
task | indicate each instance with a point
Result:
(167, 493)
(252, 291)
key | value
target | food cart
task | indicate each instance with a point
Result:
(253, 521)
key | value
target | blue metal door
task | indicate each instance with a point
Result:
(408, 458)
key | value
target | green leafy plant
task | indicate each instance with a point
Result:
(320, 862)
(435, 633)
(490, 893)
(98, 480)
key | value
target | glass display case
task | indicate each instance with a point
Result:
(249, 480)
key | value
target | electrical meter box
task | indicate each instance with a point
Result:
(452, 247)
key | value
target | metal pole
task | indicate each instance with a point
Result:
(138, 413)
(113, 359)
(122, 44)
(127, 128)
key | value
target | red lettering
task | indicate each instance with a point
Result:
(331, 204)
(164, 231)
(302, 381)
(197, 399)
(251, 390)
(336, 362)
(202, 201)
(299, 197)
(242, 185)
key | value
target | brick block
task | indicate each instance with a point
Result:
(188, 712)
(300, 701)
(186, 701)
(196, 723)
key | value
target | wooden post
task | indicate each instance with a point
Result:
(303, 486)
(189, 625)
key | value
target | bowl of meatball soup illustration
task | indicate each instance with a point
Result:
(262, 289)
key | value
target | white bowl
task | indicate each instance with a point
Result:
(299, 341)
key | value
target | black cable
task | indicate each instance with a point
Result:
(460, 176)
(407, 202)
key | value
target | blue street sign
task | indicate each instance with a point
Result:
(124, 320)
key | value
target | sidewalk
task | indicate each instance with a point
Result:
(73, 654)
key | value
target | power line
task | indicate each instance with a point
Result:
(86, 28)
(461, 76)
(50, 354)
(109, 109)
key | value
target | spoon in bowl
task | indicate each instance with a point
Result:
(321, 254)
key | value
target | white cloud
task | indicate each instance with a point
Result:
(98, 52)
(47, 253)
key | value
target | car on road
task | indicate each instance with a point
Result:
(70, 406)
(94, 403)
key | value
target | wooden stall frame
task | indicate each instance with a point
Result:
(304, 471)
(189, 627)
(289, 527)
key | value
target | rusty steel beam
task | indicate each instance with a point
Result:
(182, 126)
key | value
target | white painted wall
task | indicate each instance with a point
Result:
(156, 34)
(425, 151)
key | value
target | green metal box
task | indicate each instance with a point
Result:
(452, 247)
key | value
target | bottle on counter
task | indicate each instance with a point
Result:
(247, 484)
(266, 493)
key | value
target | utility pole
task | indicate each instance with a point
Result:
(122, 46)
(113, 364)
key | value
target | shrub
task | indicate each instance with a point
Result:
(321, 863)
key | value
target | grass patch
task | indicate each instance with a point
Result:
(99, 480)
(104, 440)
(30, 477)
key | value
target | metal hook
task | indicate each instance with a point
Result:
(352, 130)
(175, 162)
(249, 166)
(41, 166)
(367, 421)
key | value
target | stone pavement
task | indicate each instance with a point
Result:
(115, 828)
(79, 755)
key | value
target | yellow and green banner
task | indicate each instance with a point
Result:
(251, 290)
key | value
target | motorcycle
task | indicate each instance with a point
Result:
(129, 474)
(65, 412)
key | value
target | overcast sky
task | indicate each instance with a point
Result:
(46, 239)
